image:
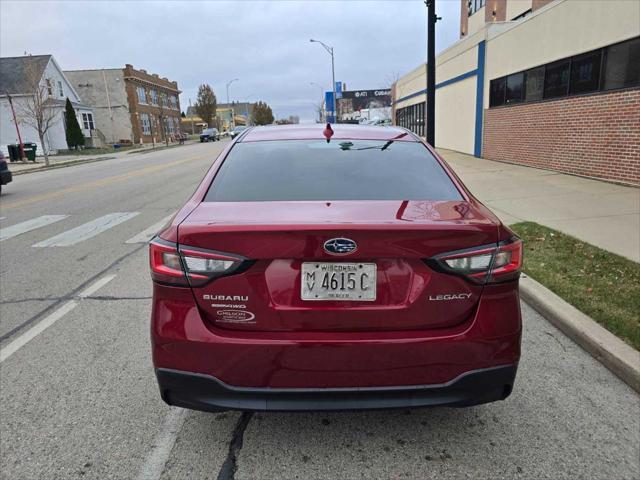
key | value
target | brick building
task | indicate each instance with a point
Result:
(130, 104)
(552, 84)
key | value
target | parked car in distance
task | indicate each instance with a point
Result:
(334, 269)
(209, 135)
(237, 131)
(377, 121)
(5, 173)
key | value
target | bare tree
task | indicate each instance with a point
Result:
(37, 109)
(319, 108)
(391, 79)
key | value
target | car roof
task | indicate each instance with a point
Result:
(316, 132)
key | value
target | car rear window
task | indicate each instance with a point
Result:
(340, 170)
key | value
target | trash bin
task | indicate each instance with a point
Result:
(14, 152)
(30, 151)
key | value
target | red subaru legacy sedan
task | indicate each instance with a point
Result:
(331, 268)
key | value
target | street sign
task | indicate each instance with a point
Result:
(328, 105)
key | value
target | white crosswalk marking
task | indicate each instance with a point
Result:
(24, 227)
(146, 235)
(87, 230)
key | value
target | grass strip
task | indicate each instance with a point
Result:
(599, 283)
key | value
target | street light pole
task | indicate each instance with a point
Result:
(193, 132)
(432, 18)
(333, 75)
(233, 123)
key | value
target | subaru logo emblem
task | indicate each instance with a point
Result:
(340, 246)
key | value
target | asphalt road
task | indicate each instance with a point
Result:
(78, 397)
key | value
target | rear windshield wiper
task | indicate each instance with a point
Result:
(348, 145)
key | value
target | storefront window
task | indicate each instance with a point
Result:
(412, 118)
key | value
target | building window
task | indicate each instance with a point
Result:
(497, 89)
(514, 91)
(87, 121)
(474, 6)
(145, 124)
(142, 95)
(177, 123)
(173, 100)
(412, 118)
(585, 73)
(622, 65)
(60, 90)
(168, 125)
(534, 84)
(153, 94)
(49, 87)
(556, 79)
(608, 68)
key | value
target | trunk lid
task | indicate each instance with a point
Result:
(280, 236)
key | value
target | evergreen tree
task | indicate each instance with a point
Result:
(262, 114)
(206, 104)
(75, 137)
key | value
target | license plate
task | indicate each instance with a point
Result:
(338, 281)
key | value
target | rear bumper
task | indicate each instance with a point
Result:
(204, 392)
(183, 341)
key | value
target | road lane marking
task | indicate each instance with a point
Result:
(15, 345)
(155, 462)
(87, 230)
(95, 286)
(148, 234)
(19, 228)
(99, 183)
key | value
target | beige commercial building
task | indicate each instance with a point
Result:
(548, 83)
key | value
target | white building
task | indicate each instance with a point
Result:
(17, 76)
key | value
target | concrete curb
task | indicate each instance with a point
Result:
(59, 165)
(613, 353)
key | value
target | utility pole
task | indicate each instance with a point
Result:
(106, 91)
(233, 120)
(15, 121)
(432, 18)
(246, 109)
(193, 132)
(333, 76)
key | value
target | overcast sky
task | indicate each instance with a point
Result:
(263, 44)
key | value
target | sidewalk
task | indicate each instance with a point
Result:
(57, 161)
(600, 213)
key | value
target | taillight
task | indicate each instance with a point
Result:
(485, 264)
(184, 266)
